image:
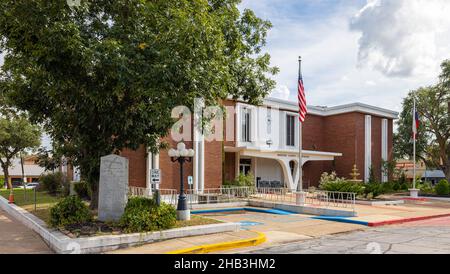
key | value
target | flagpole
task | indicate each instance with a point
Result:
(415, 137)
(414, 193)
(300, 143)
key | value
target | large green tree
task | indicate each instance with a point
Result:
(433, 141)
(17, 135)
(105, 75)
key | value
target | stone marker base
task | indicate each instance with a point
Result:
(300, 198)
(414, 193)
(183, 215)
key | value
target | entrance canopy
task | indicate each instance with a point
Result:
(284, 158)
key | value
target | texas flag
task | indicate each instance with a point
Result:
(415, 126)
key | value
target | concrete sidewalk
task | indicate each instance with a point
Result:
(15, 238)
(189, 242)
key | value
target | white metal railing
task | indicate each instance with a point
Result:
(168, 196)
(318, 198)
(219, 195)
(313, 197)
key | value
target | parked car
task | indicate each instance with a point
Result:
(32, 185)
(28, 186)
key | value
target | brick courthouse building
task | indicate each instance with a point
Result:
(264, 141)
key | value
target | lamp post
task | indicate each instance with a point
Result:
(182, 155)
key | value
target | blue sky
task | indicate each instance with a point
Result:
(371, 51)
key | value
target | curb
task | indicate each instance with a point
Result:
(249, 209)
(340, 220)
(406, 220)
(62, 244)
(202, 249)
(381, 223)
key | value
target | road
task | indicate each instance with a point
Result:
(423, 237)
(15, 238)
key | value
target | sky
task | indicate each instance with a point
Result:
(369, 51)
(372, 51)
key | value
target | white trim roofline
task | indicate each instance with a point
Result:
(329, 111)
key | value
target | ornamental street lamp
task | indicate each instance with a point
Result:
(182, 155)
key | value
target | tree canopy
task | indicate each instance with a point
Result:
(105, 75)
(16, 136)
(433, 140)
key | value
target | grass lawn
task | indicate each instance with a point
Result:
(44, 201)
(197, 220)
(25, 199)
(22, 197)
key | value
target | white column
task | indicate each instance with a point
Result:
(368, 147)
(255, 168)
(148, 167)
(202, 166)
(237, 163)
(384, 146)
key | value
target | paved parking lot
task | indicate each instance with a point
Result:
(423, 237)
(281, 229)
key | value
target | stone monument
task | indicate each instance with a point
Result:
(113, 187)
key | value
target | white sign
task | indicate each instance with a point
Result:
(155, 176)
(190, 180)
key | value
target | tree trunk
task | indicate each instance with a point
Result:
(94, 195)
(6, 172)
(447, 171)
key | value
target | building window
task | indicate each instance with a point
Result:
(245, 166)
(290, 130)
(269, 121)
(246, 125)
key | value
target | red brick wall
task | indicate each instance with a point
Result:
(313, 136)
(312, 172)
(230, 166)
(342, 133)
(213, 164)
(170, 178)
(136, 166)
(376, 147)
(345, 134)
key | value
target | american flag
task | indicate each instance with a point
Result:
(303, 109)
(416, 123)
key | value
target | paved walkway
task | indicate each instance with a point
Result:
(188, 242)
(15, 238)
(423, 237)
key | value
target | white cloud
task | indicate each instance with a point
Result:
(403, 37)
(332, 72)
(281, 92)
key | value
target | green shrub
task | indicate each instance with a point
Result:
(242, 180)
(426, 188)
(375, 189)
(330, 182)
(402, 179)
(372, 178)
(142, 214)
(388, 187)
(54, 182)
(404, 186)
(68, 211)
(442, 188)
(397, 186)
(82, 190)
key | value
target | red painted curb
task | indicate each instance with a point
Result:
(407, 220)
(416, 199)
